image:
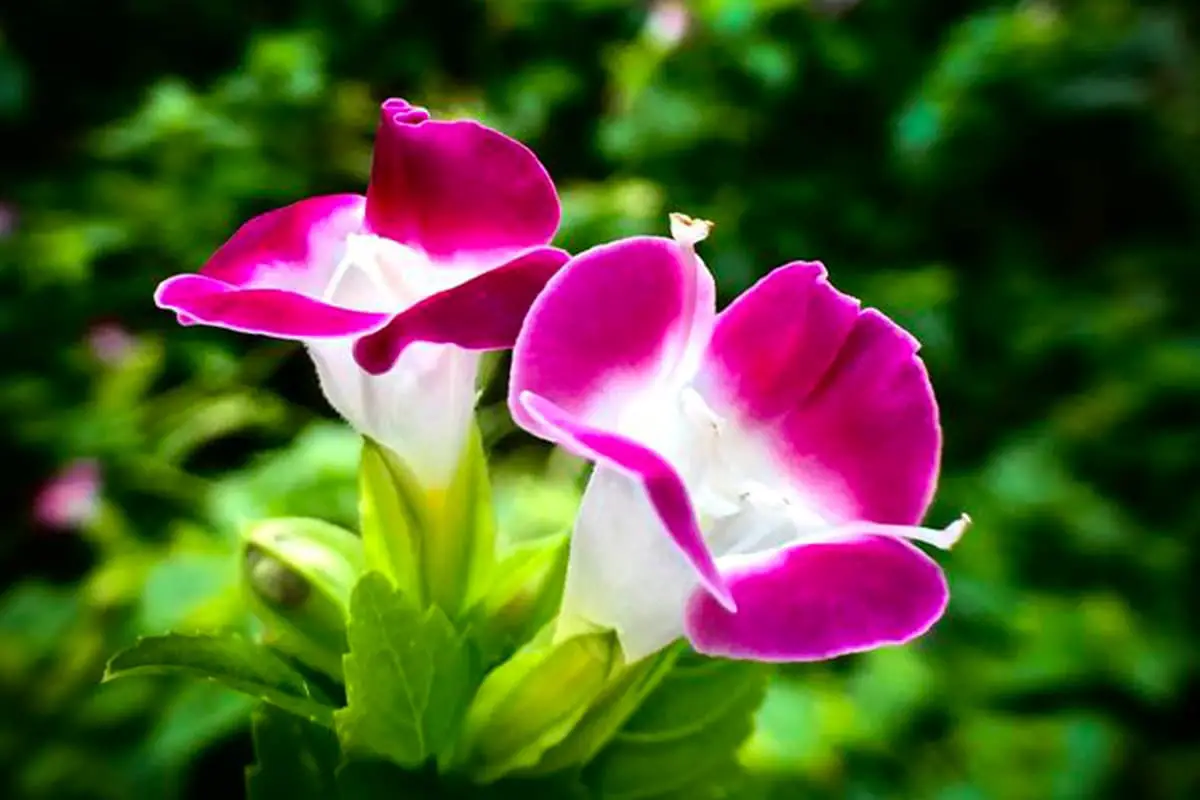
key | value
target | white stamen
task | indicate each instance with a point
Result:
(689, 231)
(945, 538)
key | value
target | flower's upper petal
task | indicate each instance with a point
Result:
(457, 190)
(199, 299)
(623, 573)
(609, 327)
(420, 409)
(836, 393)
(664, 488)
(484, 313)
(270, 276)
(808, 602)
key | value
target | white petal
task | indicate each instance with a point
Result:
(420, 409)
(624, 572)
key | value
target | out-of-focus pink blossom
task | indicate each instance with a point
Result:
(668, 22)
(110, 343)
(8, 220)
(71, 498)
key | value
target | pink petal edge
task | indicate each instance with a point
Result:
(810, 602)
(199, 299)
(457, 189)
(485, 313)
(662, 483)
(294, 247)
(615, 317)
(838, 390)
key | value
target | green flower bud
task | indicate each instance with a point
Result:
(525, 594)
(298, 575)
(532, 701)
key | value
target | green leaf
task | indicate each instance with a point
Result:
(532, 702)
(294, 759)
(685, 737)
(409, 677)
(236, 662)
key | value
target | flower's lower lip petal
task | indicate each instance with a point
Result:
(485, 313)
(662, 483)
(456, 188)
(838, 393)
(620, 312)
(201, 300)
(808, 602)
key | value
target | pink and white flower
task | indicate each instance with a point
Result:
(395, 293)
(760, 473)
(71, 498)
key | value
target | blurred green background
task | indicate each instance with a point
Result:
(1018, 183)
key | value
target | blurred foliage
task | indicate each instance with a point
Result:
(1018, 183)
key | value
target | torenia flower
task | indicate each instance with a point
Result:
(760, 473)
(448, 247)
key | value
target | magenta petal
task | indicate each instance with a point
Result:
(485, 313)
(267, 277)
(615, 318)
(199, 299)
(457, 189)
(838, 391)
(662, 483)
(814, 601)
(296, 247)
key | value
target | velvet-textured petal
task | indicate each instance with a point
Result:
(609, 326)
(296, 247)
(664, 489)
(457, 190)
(836, 392)
(484, 313)
(809, 602)
(199, 299)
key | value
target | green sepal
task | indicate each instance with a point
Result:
(619, 701)
(298, 574)
(532, 701)
(393, 514)
(436, 544)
